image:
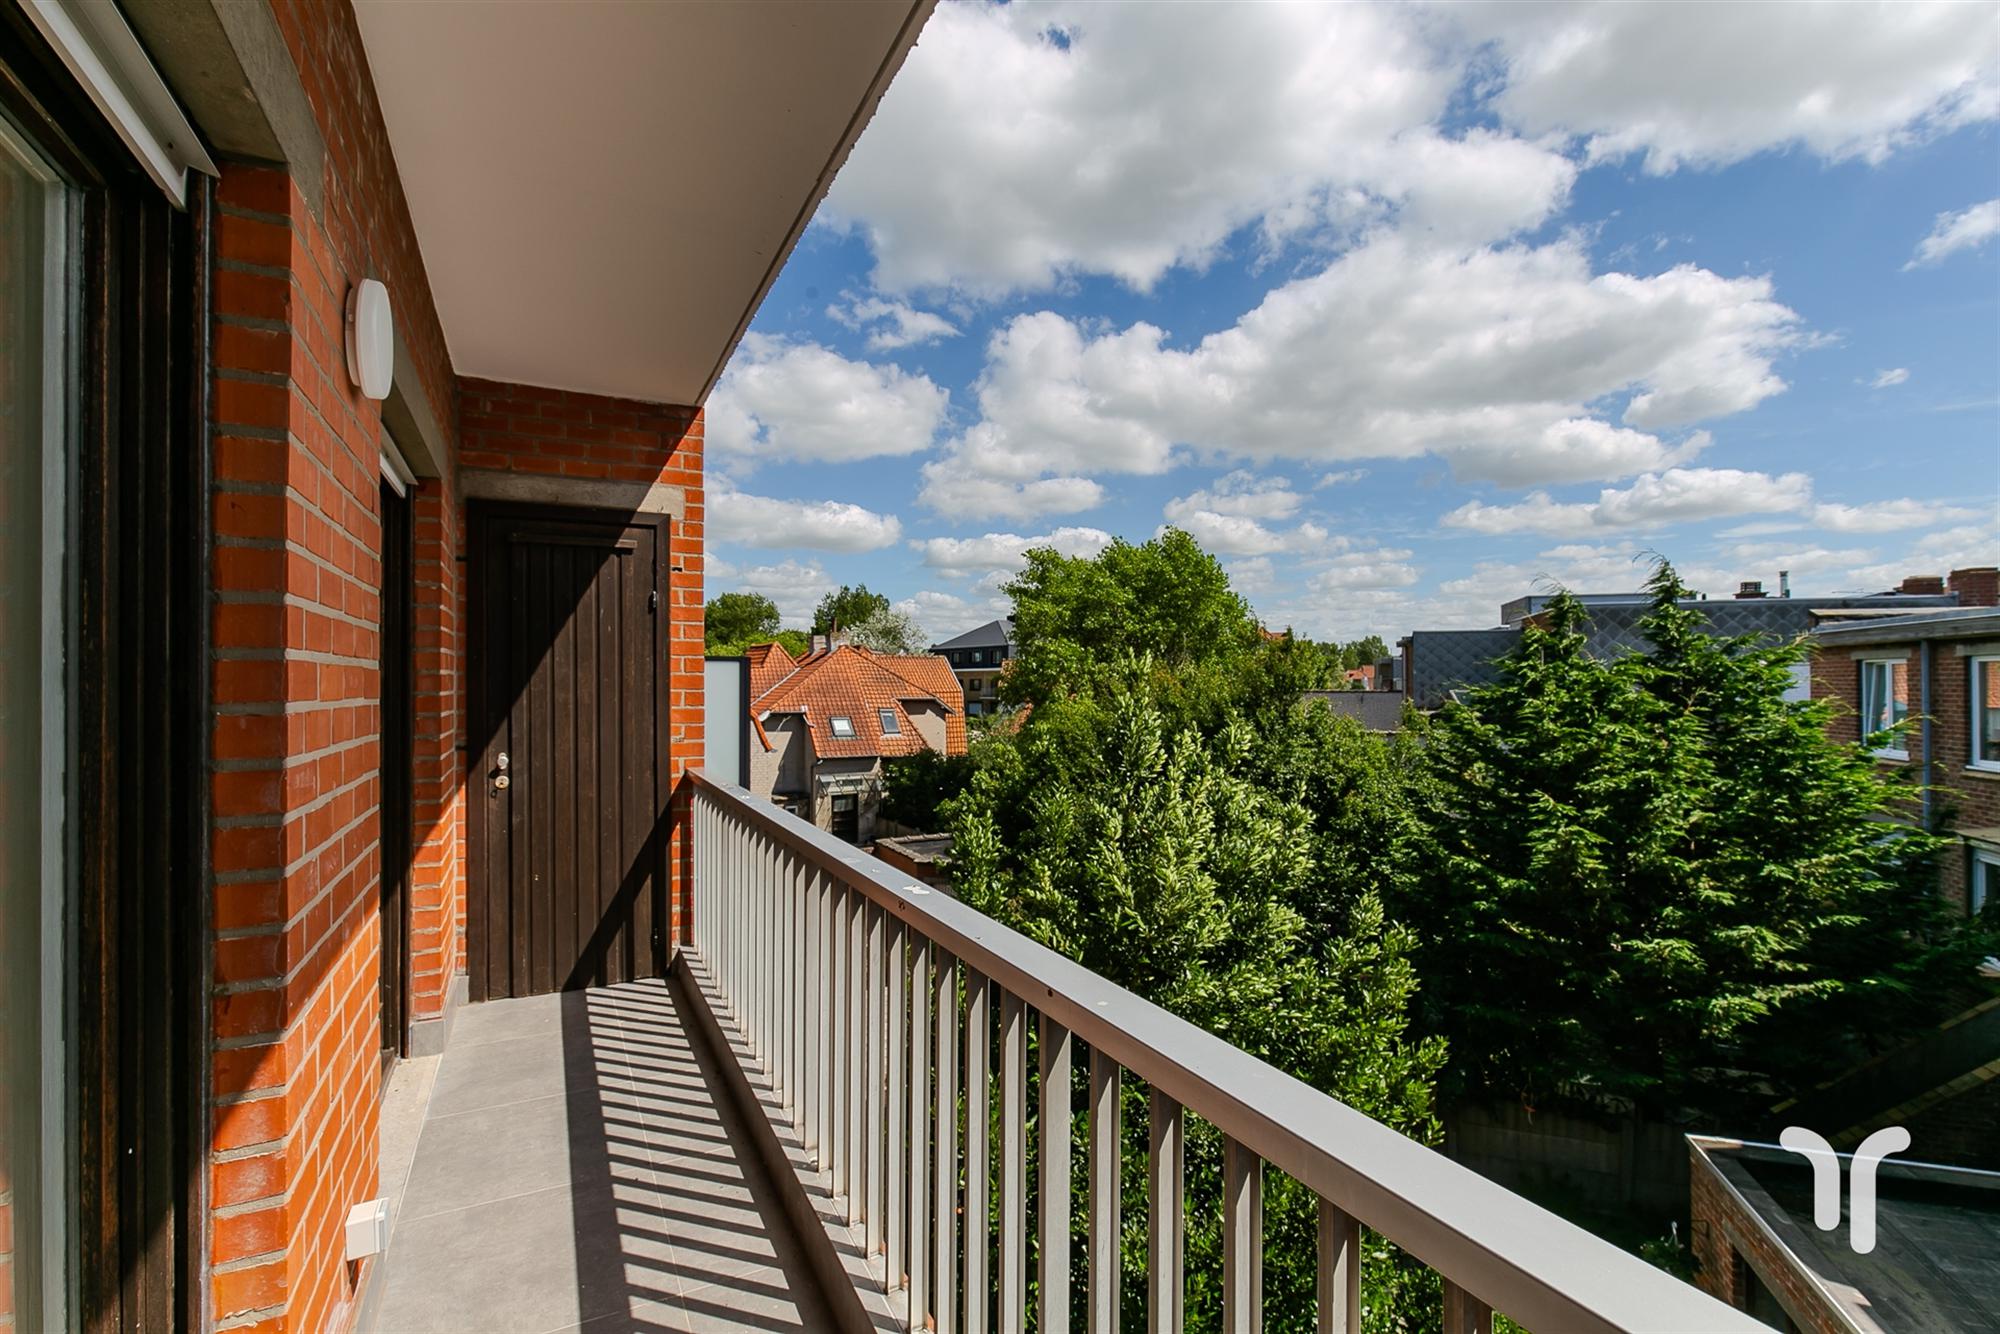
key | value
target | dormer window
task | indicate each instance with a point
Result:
(890, 726)
(843, 727)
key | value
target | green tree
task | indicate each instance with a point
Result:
(1656, 877)
(1167, 600)
(847, 608)
(736, 619)
(888, 631)
(1164, 860)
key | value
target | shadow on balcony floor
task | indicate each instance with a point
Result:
(579, 1169)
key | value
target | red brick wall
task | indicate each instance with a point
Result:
(555, 433)
(297, 700)
(296, 768)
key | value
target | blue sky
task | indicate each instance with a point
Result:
(1401, 311)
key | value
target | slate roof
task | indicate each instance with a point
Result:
(993, 634)
(1376, 710)
(1446, 661)
(853, 682)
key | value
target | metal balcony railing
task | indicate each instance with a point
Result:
(843, 977)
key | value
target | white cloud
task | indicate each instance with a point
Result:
(895, 323)
(795, 586)
(1679, 495)
(1714, 84)
(949, 488)
(1890, 378)
(1239, 493)
(1240, 535)
(1967, 229)
(800, 401)
(947, 614)
(1382, 567)
(1499, 361)
(1024, 143)
(1006, 551)
(1888, 516)
(820, 525)
(1337, 478)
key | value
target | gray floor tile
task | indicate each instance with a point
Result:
(501, 1020)
(494, 1152)
(495, 1073)
(576, 1173)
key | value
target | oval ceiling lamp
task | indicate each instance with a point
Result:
(371, 339)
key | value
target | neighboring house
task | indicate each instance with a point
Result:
(1759, 1248)
(1437, 664)
(821, 726)
(976, 659)
(1940, 672)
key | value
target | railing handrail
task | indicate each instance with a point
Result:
(1538, 1268)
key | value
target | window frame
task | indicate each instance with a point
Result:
(1861, 690)
(891, 725)
(1975, 759)
(1985, 874)
(837, 722)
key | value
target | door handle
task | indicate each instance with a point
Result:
(500, 779)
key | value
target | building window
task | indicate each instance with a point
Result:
(974, 685)
(1985, 713)
(843, 727)
(1985, 879)
(1885, 701)
(890, 727)
(972, 708)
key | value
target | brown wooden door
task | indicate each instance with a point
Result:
(398, 741)
(568, 792)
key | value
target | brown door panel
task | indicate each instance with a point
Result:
(569, 669)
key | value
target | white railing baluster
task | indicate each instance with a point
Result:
(857, 1058)
(1013, 1274)
(944, 1179)
(1052, 1188)
(827, 1059)
(1106, 1185)
(1339, 1270)
(842, 980)
(873, 1040)
(978, 1136)
(894, 1159)
(1242, 1239)
(1166, 1220)
(840, 1048)
(917, 1179)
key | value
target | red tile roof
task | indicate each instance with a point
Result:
(854, 683)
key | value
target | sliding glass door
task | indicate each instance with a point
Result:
(36, 300)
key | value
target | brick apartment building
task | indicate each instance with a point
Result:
(298, 784)
(1937, 674)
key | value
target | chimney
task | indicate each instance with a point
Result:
(1978, 586)
(1750, 588)
(1784, 583)
(1923, 585)
(819, 643)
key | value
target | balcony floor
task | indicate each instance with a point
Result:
(578, 1169)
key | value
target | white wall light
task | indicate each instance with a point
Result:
(371, 339)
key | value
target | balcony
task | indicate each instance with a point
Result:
(775, 1138)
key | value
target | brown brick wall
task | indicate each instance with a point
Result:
(1721, 1230)
(1971, 796)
